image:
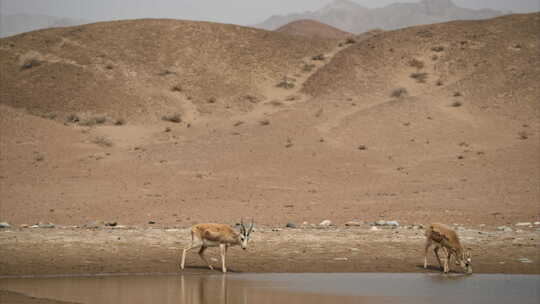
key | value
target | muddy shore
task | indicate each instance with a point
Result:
(77, 251)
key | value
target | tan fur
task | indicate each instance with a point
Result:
(446, 244)
(214, 235)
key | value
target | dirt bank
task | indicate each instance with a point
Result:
(81, 251)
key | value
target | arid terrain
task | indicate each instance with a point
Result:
(205, 122)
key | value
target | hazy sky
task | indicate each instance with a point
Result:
(226, 11)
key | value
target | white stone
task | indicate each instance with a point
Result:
(326, 223)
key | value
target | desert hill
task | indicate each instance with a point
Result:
(314, 29)
(354, 18)
(144, 69)
(431, 123)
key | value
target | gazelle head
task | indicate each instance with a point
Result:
(464, 260)
(243, 237)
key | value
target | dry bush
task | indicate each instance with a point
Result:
(176, 88)
(523, 135)
(319, 57)
(211, 100)
(286, 83)
(456, 104)
(288, 143)
(350, 40)
(176, 118)
(102, 141)
(415, 63)
(437, 49)
(98, 120)
(420, 77)
(264, 122)
(399, 92)
(30, 60)
(308, 67)
(120, 122)
(72, 118)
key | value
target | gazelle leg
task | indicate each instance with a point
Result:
(428, 244)
(223, 250)
(191, 246)
(201, 254)
(436, 250)
(447, 261)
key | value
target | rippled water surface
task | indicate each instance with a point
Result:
(282, 288)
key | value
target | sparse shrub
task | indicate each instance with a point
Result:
(362, 147)
(420, 77)
(166, 73)
(120, 122)
(424, 34)
(319, 57)
(457, 94)
(98, 120)
(238, 123)
(415, 63)
(523, 135)
(276, 103)
(439, 83)
(102, 141)
(434, 57)
(286, 83)
(437, 49)
(264, 122)
(399, 92)
(456, 104)
(39, 158)
(251, 98)
(176, 118)
(109, 66)
(168, 129)
(350, 40)
(319, 112)
(30, 60)
(211, 100)
(72, 118)
(308, 67)
(288, 143)
(176, 88)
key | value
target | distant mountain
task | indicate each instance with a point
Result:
(15, 24)
(313, 29)
(355, 18)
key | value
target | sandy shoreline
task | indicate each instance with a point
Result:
(81, 251)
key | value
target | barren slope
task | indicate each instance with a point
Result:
(143, 69)
(313, 29)
(350, 151)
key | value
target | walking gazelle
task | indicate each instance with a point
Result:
(214, 235)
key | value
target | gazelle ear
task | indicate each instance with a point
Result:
(242, 227)
(251, 226)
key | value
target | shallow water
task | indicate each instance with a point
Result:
(283, 288)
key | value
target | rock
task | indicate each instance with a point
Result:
(120, 227)
(94, 224)
(355, 249)
(341, 259)
(5, 225)
(325, 223)
(46, 225)
(111, 224)
(460, 228)
(380, 223)
(151, 222)
(525, 260)
(505, 229)
(482, 225)
(354, 223)
(523, 224)
(536, 223)
(290, 225)
(373, 228)
(392, 223)
(173, 230)
(24, 226)
(305, 223)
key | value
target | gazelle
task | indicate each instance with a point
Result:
(446, 240)
(214, 235)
